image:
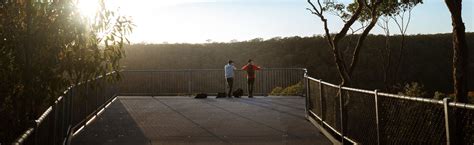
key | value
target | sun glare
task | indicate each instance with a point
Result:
(88, 8)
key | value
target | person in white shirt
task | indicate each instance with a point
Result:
(229, 76)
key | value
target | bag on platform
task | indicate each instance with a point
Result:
(238, 93)
(201, 96)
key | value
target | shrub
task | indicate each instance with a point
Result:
(413, 89)
(439, 95)
(292, 90)
(276, 91)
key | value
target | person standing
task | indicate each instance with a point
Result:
(229, 76)
(250, 68)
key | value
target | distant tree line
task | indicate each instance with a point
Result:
(427, 58)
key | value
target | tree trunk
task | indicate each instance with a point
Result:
(460, 64)
(460, 55)
(400, 58)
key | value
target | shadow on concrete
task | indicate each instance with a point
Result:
(114, 127)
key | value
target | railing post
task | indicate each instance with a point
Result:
(377, 116)
(341, 107)
(308, 94)
(190, 81)
(322, 102)
(152, 84)
(264, 86)
(448, 125)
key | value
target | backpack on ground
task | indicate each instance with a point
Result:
(238, 93)
(220, 95)
(201, 96)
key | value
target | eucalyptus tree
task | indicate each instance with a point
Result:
(460, 50)
(367, 11)
(460, 68)
(399, 14)
(45, 46)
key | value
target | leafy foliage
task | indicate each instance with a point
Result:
(413, 89)
(45, 47)
(293, 90)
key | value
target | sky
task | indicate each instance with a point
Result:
(195, 21)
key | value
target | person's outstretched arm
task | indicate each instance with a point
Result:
(245, 67)
(257, 67)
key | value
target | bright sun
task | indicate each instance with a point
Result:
(88, 8)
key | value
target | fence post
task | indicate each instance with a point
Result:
(152, 83)
(190, 82)
(447, 117)
(307, 108)
(341, 107)
(377, 116)
(321, 100)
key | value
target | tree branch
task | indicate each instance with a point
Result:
(363, 36)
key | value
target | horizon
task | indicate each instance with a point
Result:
(319, 35)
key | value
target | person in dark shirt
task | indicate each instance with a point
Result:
(250, 68)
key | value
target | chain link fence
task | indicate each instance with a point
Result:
(371, 117)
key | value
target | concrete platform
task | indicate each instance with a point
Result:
(187, 121)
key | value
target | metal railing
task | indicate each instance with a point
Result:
(345, 115)
(356, 116)
(211, 81)
(80, 104)
(70, 112)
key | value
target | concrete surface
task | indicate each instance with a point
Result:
(187, 121)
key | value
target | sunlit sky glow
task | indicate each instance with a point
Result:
(195, 21)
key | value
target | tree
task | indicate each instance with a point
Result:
(356, 9)
(400, 14)
(45, 47)
(460, 51)
(460, 65)
(363, 11)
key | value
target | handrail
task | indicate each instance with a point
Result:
(404, 97)
(21, 139)
(177, 70)
(82, 118)
(377, 95)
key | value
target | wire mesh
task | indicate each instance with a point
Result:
(466, 117)
(360, 118)
(331, 110)
(314, 98)
(401, 120)
(410, 122)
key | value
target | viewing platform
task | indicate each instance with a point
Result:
(148, 107)
(187, 121)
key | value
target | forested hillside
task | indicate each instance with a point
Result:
(426, 59)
